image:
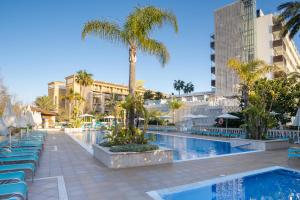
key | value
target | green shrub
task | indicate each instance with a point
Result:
(134, 148)
(106, 144)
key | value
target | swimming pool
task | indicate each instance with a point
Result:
(272, 183)
(184, 148)
(189, 148)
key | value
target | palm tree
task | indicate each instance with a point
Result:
(159, 96)
(135, 35)
(290, 17)
(148, 95)
(84, 79)
(188, 88)
(74, 99)
(248, 73)
(45, 103)
(178, 85)
(174, 105)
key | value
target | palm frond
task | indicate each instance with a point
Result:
(156, 48)
(103, 29)
(289, 16)
(143, 20)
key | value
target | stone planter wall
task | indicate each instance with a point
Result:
(264, 145)
(131, 159)
(73, 130)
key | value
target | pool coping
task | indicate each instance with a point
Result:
(90, 149)
(157, 194)
(207, 157)
(86, 147)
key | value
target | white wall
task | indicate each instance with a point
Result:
(264, 38)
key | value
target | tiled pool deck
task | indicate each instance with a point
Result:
(66, 163)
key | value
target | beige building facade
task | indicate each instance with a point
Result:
(244, 33)
(96, 96)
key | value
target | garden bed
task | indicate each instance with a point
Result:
(131, 159)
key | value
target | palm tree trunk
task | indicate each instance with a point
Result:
(132, 62)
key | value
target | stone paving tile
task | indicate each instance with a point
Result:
(86, 178)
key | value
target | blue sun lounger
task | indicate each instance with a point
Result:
(294, 152)
(18, 154)
(14, 191)
(12, 177)
(19, 159)
(27, 167)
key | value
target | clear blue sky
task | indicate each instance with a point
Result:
(40, 42)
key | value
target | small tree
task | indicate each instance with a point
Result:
(148, 95)
(159, 96)
(174, 105)
(44, 103)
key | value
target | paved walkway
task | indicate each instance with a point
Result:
(86, 178)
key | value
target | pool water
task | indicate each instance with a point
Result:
(186, 148)
(276, 184)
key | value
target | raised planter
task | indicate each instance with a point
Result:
(117, 160)
(73, 130)
(264, 145)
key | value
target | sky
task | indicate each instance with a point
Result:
(40, 42)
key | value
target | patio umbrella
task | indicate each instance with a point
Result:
(29, 116)
(37, 118)
(166, 117)
(9, 118)
(3, 129)
(200, 116)
(296, 122)
(227, 116)
(189, 116)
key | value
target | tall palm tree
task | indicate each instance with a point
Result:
(248, 73)
(84, 79)
(188, 88)
(290, 17)
(135, 35)
(178, 85)
(45, 103)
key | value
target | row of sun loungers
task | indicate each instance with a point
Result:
(228, 134)
(18, 160)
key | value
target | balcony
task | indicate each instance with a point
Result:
(213, 83)
(276, 28)
(213, 70)
(212, 57)
(212, 45)
(279, 58)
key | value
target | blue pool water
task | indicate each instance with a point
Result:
(185, 148)
(277, 184)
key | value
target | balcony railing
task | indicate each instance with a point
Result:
(279, 58)
(213, 70)
(212, 45)
(212, 57)
(213, 83)
(276, 28)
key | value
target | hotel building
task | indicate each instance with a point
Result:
(244, 33)
(96, 95)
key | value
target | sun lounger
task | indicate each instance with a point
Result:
(19, 159)
(27, 167)
(294, 152)
(13, 190)
(12, 177)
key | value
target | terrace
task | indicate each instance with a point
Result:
(68, 171)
